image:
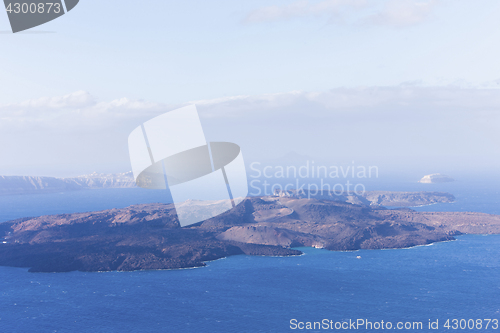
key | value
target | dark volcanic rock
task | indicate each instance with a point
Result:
(149, 236)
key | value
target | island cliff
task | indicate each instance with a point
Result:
(13, 185)
(149, 236)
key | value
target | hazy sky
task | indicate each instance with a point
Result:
(402, 83)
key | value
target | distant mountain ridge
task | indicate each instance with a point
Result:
(11, 185)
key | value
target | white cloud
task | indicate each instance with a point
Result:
(396, 13)
(398, 99)
(300, 9)
(81, 109)
(75, 111)
(274, 13)
(402, 124)
(401, 13)
(77, 99)
(431, 128)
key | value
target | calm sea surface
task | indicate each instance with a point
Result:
(451, 280)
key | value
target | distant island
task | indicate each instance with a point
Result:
(149, 236)
(436, 178)
(373, 198)
(12, 185)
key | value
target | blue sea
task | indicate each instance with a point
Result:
(450, 280)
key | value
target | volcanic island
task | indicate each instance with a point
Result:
(149, 236)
